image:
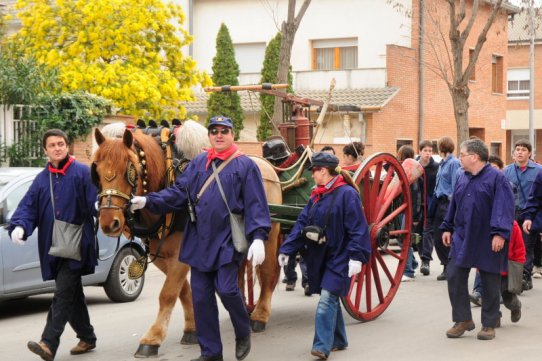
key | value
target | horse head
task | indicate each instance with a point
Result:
(122, 168)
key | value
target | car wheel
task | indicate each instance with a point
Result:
(119, 287)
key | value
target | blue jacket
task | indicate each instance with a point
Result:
(207, 242)
(522, 180)
(75, 196)
(533, 207)
(446, 176)
(481, 207)
(347, 237)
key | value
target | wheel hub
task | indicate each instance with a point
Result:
(381, 235)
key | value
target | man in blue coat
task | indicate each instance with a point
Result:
(477, 229)
(207, 244)
(74, 198)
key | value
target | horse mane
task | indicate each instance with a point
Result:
(116, 153)
(191, 139)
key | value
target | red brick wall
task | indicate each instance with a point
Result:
(399, 119)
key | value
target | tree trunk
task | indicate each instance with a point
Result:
(288, 30)
(460, 98)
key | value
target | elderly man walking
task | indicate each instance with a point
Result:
(476, 228)
(207, 245)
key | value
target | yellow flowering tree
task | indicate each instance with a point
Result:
(128, 51)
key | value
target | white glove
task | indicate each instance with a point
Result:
(354, 267)
(17, 235)
(97, 205)
(283, 259)
(256, 252)
(137, 203)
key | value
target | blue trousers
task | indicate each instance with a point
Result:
(204, 285)
(329, 329)
(68, 305)
(458, 291)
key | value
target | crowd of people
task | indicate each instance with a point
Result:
(468, 209)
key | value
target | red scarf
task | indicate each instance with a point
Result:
(63, 169)
(213, 154)
(319, 191)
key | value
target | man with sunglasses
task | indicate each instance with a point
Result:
(207, 244)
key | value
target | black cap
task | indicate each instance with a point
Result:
(322, 159)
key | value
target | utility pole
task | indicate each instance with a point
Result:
(531, 77)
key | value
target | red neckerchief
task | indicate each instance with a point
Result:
(63, 169)
(319, 191)
(213, 154)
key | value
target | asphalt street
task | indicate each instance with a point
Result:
(412, 328)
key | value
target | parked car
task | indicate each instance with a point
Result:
(20, 273)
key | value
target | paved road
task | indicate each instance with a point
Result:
(413, 328)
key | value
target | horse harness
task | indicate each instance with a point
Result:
(161, 228)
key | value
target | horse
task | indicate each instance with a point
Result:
(135, 164)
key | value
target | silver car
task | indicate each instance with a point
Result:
(20, 273)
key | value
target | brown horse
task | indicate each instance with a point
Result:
(114, 162)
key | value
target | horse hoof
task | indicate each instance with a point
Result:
(189, 338)
(144, 351)
(257, 326)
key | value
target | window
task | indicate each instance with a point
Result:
(518, 83)
(497, 74)
(495, 149)
(401, 142)
(473, 74)
(335, 54)
(250, 57)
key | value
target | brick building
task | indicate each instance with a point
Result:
(375, 50)
(518, 85)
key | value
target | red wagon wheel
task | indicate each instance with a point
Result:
(385, 194)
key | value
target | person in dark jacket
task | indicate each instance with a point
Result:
(477, 228)
(335, 253)
(426, 184)
(207, 244)
(74, 198)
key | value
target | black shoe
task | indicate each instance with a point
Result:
(242, 348)
(209, 358)
(527, 285)
(308, 293)
(424, 269)
(441, 277)
(476, 298)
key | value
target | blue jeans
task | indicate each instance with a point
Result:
(329, 330)
(411, 264)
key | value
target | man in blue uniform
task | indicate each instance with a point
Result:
(522, 174)
(74, 198)
(477, 229)
(207, 244)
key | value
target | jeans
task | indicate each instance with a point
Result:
(329, 329)
(68, 305)
(411, 264)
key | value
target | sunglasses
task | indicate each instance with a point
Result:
(223, 131)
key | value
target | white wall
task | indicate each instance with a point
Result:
(374, 22)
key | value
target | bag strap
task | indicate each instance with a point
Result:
(52, 195)
(215, 173)
(212, 177)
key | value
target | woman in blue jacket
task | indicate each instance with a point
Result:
(333, 228)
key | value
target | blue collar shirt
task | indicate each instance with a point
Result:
(447, 176)
(522, 180)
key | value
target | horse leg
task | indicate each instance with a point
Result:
(175, 277)
(189, 332)
(268, 274)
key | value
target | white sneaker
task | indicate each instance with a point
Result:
(407, 279)
(537, 272)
